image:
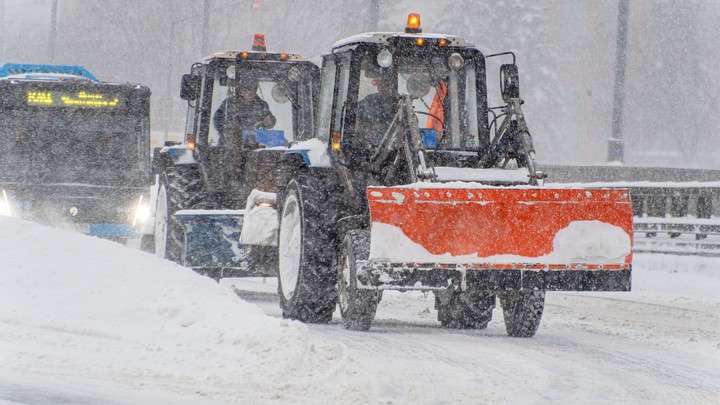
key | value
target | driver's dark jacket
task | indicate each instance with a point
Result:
(241, 114)
(375, 113)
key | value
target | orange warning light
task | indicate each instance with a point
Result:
(413, 24)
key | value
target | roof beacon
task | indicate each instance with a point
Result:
(259, 43)
(413, 24)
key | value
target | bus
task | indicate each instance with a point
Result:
(74, 151)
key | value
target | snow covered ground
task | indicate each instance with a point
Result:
(88, 321)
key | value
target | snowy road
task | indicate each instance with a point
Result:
(88, 321)
(597, 348)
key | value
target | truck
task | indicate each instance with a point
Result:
(437, 191)
(75, 150)
(215, 210)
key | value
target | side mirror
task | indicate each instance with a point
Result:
(509, 82)
(189, 86)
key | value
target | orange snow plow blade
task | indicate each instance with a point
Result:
(560, 226)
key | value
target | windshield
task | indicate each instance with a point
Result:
(71, 146)
(269, 98)
(444, 100)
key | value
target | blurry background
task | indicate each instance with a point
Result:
(566, 53)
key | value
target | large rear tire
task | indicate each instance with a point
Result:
(464, 309)
(180, 188)
(306, 281)
(522, 311)
(357, 306)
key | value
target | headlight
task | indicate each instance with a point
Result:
(142, 212)
(456, 62)
(384, 58)
(5, 204)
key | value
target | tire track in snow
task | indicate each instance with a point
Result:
(409, 358)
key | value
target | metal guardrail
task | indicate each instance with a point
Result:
(675, 210)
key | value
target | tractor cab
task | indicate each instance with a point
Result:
(384, 84)
(245, 108)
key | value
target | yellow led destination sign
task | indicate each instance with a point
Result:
(74, 99)
(89, 100)
(39, 97)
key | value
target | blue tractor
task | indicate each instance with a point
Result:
(215, 209)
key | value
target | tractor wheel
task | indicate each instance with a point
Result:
(147, 243)
(522, 311)
(306, 283)
(465, 310)
(357, 305)
(180, 188)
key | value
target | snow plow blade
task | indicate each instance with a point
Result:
(491, 238)
(212, 245)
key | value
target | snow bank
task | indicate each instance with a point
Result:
(126, 318)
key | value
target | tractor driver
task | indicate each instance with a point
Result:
(245, 111)
(377, 110)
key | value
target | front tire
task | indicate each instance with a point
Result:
(180, 188)
(464, 309)
(147, 243)
(357, 305)
(306, 282)
(522, 311)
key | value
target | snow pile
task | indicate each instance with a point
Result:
(580, 242)
(126, 318)
(316, 152)
(521, 175)
(590, 242)
(389, 243)
(260, 225)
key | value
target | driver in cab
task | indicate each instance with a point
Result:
(244, 110)
(377, 110)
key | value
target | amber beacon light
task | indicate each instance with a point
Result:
(413, 24)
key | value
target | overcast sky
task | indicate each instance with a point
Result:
(566, 53)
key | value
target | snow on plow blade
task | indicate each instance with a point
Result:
(501, 238)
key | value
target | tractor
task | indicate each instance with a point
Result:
(417, 183)
(246, 110)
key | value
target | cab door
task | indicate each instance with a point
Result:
(220, 168)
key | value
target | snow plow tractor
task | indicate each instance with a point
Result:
(417, 184)
(215, 206)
